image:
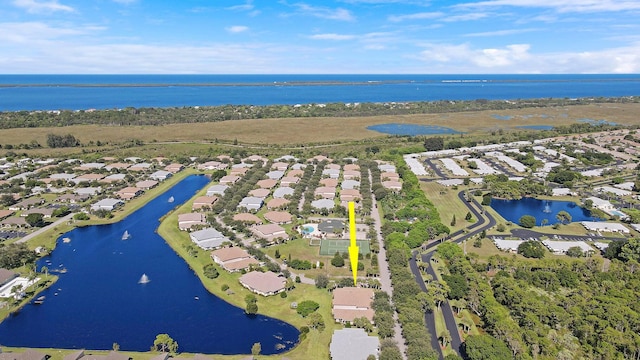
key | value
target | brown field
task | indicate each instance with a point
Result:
(294, 132)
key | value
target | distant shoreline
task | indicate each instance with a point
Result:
(311, 83)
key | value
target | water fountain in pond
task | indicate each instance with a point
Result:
(547, 208)
(143, 279)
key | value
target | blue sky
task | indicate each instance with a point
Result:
(315, 37)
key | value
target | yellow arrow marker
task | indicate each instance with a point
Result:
(353, 247)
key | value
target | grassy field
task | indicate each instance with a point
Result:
(305, 131)
(448, 204)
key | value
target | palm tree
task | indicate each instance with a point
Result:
(445, 337)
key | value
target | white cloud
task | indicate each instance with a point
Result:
(560, 5)
(324, 13)
(237, 29)
(500, 32)
(243, 7)
(33, 6)
(466, 17)
(518, 58)
(416, 16)
(331, 37)
(34, 32)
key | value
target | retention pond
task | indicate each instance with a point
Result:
(99, 298)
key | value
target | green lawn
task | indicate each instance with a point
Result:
(448, 204)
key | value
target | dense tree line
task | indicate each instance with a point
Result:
(160, 116)
(556, 308)
(15, 255)
(59, 141)
(410, 220)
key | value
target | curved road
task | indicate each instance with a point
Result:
(457, 237)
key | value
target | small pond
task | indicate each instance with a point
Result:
(513, 210)
(411, 129)
(99, 298)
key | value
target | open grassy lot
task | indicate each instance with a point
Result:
(448, 204)
(300, 131)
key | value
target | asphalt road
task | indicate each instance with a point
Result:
(484, 222)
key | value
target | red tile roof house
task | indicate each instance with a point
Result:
(87, 178)
(282, 166)
(260, 193)
(350, 303)
(265, 284)
(332, 166)
(174, 168)
(267, 183)
(389, 176)
(233, 259)
(277, 203)
(129, 193)
(392, 185)
(239, 171)
(319, 158)
(247, 218)
(278, 217)
(46, 212)
(296, 173)
(6, 213)
(204, 202)
(117, 166)
(329, 182)
(229, 179)
(187, 221)
(325, 192)
(351, 175)
(350, 167)
(146, 184)
(289, 181)
(270, 232)
(350, 195)
(113, 178)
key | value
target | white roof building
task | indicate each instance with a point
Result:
(207, 239)
(160, 175)
(275, 175)
(613, 190)
(601, 204)
(507, 245)
(561, 247)
(251, 203)
(106, 204)
(323, 204)
(450, 182)
(280, 193)
(353, 344)
(605, 226)
(415, 165)
(217, 190)
(453, 166)
(350, 184)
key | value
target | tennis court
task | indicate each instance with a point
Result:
(330, 246)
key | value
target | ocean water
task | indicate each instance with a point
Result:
(77, 92)
(99, 301)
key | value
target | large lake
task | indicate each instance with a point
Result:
(513, 210)
(98, 301)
